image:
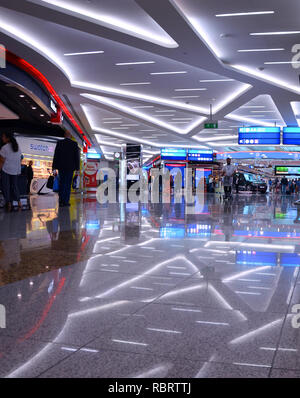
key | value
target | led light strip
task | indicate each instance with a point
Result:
(198, 29)
(133, 112)
(113, 23)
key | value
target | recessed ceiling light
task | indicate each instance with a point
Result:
(112, 118)
(238, 14)
(112, 122)
(253, 106)
(143, 106)
(119, 128)
(21, 95)
(260, 49)
(169, 110)
(167, 73)
(164, 115)
(224, 137)
(190, 89)
(292, 32)
(186, 96)
(216, 80)
(84, 53)
(42, 115)
(134, 63)
(147, 130)
(182, 118)
(281, 62)
(263, 111)
(134, 84)
(33, 107)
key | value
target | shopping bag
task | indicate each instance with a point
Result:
(50, 182)
(74, 183)
(56, 184)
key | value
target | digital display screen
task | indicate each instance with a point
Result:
(199, 230)
(291, 136)
(133, 151)
(93, 155)
(173, 153)
(245, 257)
(259, 136)
(197, 155)
(259, 155)
(290, 259)
(172, 232)
(287, 170)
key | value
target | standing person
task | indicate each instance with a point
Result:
(228, 173)
(270, 185)
(29, 173)
(236, 183)
(10, 165)
(66, 160)
(284, 182)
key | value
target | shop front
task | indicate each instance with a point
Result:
(40, 153)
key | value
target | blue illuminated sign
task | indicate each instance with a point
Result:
(173, 153)
(197, 155)
(93, 156)
(259, 136)
(291, 136)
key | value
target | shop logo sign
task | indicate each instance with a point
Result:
(2, 317)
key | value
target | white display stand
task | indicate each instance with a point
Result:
(38, 186)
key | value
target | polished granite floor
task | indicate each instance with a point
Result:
(131, 290)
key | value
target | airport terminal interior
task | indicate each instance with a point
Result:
(178, 253)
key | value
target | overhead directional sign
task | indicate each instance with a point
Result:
(259, 135)
(173, 153)
(198, 155)
(291, 136)
(212, 124)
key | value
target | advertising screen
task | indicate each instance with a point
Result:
(287, 170)
(259, 136)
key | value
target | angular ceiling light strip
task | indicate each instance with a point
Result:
(112, 22)
(138, 96)
(126, 136)
(242, 119)
(240, 14)
(296, 111)
(198, 29)
(236, 94)
(134, 112)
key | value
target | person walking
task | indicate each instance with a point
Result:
(10, 167)
(66, 160)
(228, 173)
(29, 173)
(284, 182)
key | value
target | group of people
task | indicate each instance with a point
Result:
(66, 160)
(284, 186)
